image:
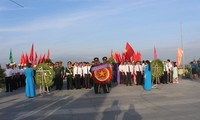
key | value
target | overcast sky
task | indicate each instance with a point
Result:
(79, 30)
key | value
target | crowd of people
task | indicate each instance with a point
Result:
(78, 75)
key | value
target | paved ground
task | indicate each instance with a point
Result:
(168, 102)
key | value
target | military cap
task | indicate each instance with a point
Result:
(104, 58)
(96, 59)
(69, 62)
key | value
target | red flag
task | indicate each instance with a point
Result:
(35, 60)
(22, 59)
(117, 57)
(48, 54)
(179, 56)
(129, 51)
(138, 56)
(27, 61)
(123, 57)
(31, 57)
(155, 54)
(134, 58)
(40, 59)
(44, 58)
(127, 58)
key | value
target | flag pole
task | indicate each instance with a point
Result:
(182, 44)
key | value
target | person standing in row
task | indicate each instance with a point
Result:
(97, 86)
(165, 80)
(77, 74)
(69, 75)
(86, 75)
(58, 76)
(30, 86)
(138, 73)
(170, 71)
(194, 68)
(175, 73)
(143, 66)
(106, 85)
(60, 65)
(147, 76)
(9, 81)
(129, 73)
(14, 77)
(122, 74)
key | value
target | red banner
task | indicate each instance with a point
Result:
(102, 73)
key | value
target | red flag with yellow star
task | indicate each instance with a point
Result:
(129, 51)
(102, 74)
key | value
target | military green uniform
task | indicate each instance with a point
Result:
(69, 74)
(58, 78)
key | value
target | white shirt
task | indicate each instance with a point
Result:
(123, 68)
(77, 70)
(86, 70)
(169, 66)
(166, 67)
(21, 71)
(143, 66)
(14, 71)
(129, 68)
(120, 68)
(138, 68)
(8, 72)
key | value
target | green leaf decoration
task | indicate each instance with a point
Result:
(111, 60)
(157, 68)
(2, 78)
(44, 75)
(48, 61)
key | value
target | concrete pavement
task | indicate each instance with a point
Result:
(167, 102)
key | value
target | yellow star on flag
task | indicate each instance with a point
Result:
(102, 73)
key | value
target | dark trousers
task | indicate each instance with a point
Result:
(21, 80)
(97, 88)
(9, 84)
(128, 78)
(139, 78)
(142, 78)
(165, 77)
(169, 76)
(18, 82)
(69, 82)
(77, 80)
(87, 81)
(59, 82)
(23, 83)
(14, 82)
(82, 83)
(122, 77)
(105, 88)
